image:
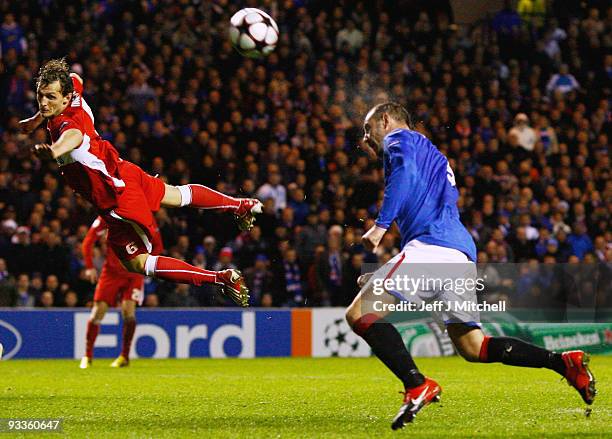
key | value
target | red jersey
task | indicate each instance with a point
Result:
(91, 169)
(95, 232)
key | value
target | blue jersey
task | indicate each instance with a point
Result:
(420, 193)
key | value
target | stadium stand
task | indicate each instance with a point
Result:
(520, 104)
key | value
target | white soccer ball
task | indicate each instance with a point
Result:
(253, 33)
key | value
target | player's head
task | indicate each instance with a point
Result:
(381, 120)
(54, 87)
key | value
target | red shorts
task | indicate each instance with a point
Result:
(132, 229)
(115, 286)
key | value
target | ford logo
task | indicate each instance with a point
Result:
(10, 338)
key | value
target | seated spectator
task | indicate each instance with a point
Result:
(4, 273)
(299, 205)
(350, 36)
(273, 189)
(180, 297)
(23, 297)
(547, 136)
(225, 260)
(291, 279)
(12, 36)
(531, 232)
(151, 300)
(261, 282)
(522, 247)
(525, 134)
(71, 299)
(580, 241)
(46, 300)
(563, 82)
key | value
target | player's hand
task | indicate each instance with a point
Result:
(77, 77)
(28, 125)
(372, 237)
(91, 274)
(363, 279)
(43, 150)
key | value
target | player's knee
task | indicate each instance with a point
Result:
(469, 349)
(352, 314)
(467, 340)
(97, 313)
(469, 353)
(175, 196)
(128, 313)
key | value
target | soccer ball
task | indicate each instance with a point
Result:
(253, 33)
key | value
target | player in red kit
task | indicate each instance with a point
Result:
(124, 194)
(115, 284)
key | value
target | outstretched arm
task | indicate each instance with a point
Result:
(30, 124)
(69, 140)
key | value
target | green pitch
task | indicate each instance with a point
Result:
(297, 398)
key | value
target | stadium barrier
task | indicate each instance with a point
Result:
(219, 333)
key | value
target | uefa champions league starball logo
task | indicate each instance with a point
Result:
(10, 340)
(340, 340)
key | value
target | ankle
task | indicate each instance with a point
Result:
(413, 379)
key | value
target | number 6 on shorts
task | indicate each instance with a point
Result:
(131, 248)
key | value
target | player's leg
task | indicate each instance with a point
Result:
(143, 186)
(384, 339)
(131, 241)
(387, 344)
(98, 311)
(131, 296)
(128, 313)
(473, 345)
(175, 270)
(202, 197)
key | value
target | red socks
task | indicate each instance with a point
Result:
(364, 322)
(129, 326)
(175, 270)
(202, 197)
(92, 333)
(484, 350)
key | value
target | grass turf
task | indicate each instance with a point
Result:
(297, 398)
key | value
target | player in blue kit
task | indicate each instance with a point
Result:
(421, 196)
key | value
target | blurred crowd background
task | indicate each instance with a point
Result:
(518, 101)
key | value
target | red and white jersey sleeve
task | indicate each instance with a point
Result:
(91, 169)
(78, 85)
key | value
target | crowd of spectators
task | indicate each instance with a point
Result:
(519, 103)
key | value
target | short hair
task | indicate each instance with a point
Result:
(393, 109)
(56, 70)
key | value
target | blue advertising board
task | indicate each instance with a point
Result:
(159, 333)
